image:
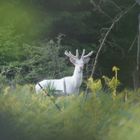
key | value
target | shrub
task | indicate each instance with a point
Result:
(26, 116)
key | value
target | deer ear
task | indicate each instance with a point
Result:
(72, 60)
(86, 60)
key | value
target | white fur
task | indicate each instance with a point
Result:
(71, 85)
(67, 85)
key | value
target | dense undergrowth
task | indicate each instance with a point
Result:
(27, 116)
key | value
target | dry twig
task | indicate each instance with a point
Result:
(116, 19)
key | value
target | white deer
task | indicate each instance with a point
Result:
(70, 84)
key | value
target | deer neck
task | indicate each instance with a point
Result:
(78, 76)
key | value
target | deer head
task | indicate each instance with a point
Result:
(79, 61)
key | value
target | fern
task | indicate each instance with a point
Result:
(113, 83)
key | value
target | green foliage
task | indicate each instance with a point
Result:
(113, 83)
(38, 62)
(44, 61)
(25, 20)
(3, 82)
(94, 85)
(84, 24)
(25, 115)
(9, 45)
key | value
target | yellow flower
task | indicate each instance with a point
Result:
(115, 69)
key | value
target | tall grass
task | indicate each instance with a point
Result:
(27, 116)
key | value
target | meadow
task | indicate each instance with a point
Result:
(27, 116)
(34, 34)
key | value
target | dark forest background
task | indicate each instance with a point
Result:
(35, 33)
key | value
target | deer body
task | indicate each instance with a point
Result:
(71, 84)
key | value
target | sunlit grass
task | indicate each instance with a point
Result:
(25, 115)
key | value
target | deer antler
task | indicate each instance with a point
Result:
(83, 53)
(77, 53)
(88, 55)
(69, 54)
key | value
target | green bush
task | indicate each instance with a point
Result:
(42, 61)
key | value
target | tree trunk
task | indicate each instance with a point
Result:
(136, 79)
(136, 73)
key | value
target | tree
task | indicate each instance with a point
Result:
(136, 73)
(84, 24)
